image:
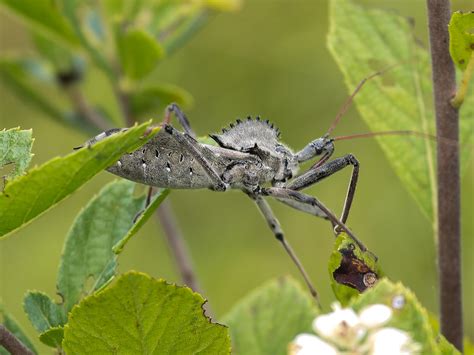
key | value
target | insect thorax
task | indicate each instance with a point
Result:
(262, 139)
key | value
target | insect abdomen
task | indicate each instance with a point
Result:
(162, 163)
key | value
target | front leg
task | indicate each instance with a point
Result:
(318, 173)
(310, 201)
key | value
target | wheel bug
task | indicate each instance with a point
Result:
(250, 157)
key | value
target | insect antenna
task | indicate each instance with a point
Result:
(386, 133)
(349, 100)
(432, 137)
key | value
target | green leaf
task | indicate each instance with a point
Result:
(30, 195)
(125, 9)
(34, 82)
(88, 258)
(224, 5)
(461, 38)
(45, 16)
(60, 57)
(20, 74)
(139, 53)
(42, 311)
(145, 215)
(408, 314)
(446, 348)
(268, 319)
(351, 270)
(15, 148)
(154, 99)
(53, 337)
(142, 315)
(179, 24)
(364, 41)
(12, 325)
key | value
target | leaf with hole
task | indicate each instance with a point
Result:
(351, 270)
(268, 319)
(15, 149)
(364, 41)
(30, 195)
(138, 315)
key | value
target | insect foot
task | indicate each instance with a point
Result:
(100, 137)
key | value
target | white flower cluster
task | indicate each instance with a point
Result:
(345, 332)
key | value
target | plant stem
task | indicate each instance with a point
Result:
(177, 245)
(82, 107)
(11, 343)
(123, 100)
(447, 126)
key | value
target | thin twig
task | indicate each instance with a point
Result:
(80, 104)
(447, 126)
(123, 101)
(177, 245)
(10, 342)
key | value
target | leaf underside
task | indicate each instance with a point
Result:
(364, 41)
(42, 311)
(87, 257)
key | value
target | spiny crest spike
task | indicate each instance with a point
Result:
(244, 134)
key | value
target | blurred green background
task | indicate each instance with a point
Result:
(270, 58)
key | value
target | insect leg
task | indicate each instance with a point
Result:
(182, 119)
(197, 152)
(273, 223)
(316, 174)
(307, 200)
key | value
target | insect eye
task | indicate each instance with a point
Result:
(317, 148)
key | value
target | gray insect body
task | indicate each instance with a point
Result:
(249, 156)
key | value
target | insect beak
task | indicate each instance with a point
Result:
(321, 161)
